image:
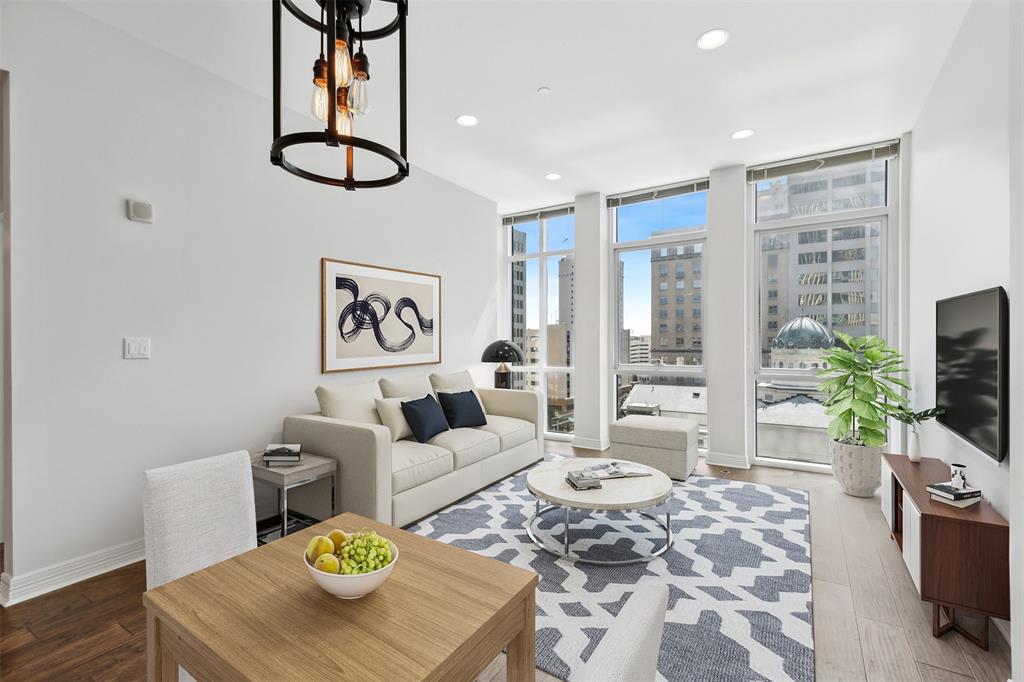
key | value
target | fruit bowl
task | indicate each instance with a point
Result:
(354, 585)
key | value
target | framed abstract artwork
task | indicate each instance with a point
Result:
(374, 317)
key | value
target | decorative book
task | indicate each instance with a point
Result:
(951, 492)
(966, 502)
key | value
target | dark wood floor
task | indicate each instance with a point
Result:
(869, 623)
(93, 630)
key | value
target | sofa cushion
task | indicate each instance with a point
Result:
(461, 409)
(425, 417)
(353, 402)
(454, 383)
(509, 430)
(670, 433)
(413, 464)
(390, 412)
(408, 387)
(469, 445)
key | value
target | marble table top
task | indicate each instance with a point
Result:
(547, 481)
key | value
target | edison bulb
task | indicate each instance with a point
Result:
(343, 122)
(318, 105)
(358, 98)
(342, 64)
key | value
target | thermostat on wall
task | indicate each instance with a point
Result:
(140, 211)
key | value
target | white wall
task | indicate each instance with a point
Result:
(960, 222)
(226, 282)
(1016, 119)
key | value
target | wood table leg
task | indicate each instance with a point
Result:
(160, 663)
(521, 660)
(938, 629)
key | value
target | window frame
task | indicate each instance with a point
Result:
(887, 216)
(542, 257)
(620, 365)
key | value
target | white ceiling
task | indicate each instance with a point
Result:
(634, 103)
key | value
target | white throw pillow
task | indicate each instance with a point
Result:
(354, 403)
(456, 382)
(408, 387)
(391, 416)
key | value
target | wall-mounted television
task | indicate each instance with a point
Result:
(971, 368)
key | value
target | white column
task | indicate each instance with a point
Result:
(592, 392)
(726, 262)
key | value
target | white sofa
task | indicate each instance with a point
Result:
(402, 481)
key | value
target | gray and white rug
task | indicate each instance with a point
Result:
(739, 576)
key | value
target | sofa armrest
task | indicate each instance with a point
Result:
(363, 452)
(512, 403)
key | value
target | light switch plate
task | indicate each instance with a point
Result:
(136, 348)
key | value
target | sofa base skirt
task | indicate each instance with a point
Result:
(425, 499)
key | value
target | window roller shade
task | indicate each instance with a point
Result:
(884, 150)
(534, 216)
(654, 194)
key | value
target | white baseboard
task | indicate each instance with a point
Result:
(726, 459)
(18, 588)
(591, 443)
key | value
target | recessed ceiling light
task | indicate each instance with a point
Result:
(713, 39)
(543, 90)
(742, 134)
(467, 120)
(552, 176)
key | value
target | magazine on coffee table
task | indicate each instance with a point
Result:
(613, 470)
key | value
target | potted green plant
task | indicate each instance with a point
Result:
(912, 419)
(862, 382)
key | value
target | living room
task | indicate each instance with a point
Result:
(589, 232)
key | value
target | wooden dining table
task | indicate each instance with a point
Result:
(443, 614)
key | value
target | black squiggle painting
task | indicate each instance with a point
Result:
(370, 313)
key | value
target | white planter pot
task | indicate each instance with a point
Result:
(914, 449)
(857, 468)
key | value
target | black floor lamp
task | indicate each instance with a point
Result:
(503, 352)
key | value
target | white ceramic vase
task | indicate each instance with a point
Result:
(914, 448)
(858, 468)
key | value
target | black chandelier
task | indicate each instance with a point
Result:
(340, 88)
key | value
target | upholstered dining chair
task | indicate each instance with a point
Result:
(196, 514)
(628, 652)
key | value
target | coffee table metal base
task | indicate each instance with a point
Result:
(666, 525)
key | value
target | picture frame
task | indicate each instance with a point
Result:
(376, 317)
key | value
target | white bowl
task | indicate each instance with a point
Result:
(352, 586)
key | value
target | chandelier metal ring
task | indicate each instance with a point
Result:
(337, 22)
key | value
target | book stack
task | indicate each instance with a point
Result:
(582, 480)
(282, 454)
(949, 494)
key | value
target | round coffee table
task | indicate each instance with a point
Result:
(637, 494)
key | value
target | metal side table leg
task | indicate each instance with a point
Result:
(284, 511)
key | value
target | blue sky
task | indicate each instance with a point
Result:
(635, 222)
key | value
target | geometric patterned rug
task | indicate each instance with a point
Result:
(739, 575)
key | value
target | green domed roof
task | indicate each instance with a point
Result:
(803, 332)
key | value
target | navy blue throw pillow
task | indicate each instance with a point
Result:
(425, 418)
(462, 409)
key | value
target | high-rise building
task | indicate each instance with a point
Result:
(677, 304)
(830, 275)
(639, 350)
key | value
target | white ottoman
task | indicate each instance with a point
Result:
(668, 444)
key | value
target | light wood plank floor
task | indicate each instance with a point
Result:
(869, 623)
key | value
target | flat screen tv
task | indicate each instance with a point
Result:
(971, 368)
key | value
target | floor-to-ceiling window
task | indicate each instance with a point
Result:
(822, 230)
(658, 283)
(541, 264)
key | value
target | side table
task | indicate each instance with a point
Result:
(284, 478)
